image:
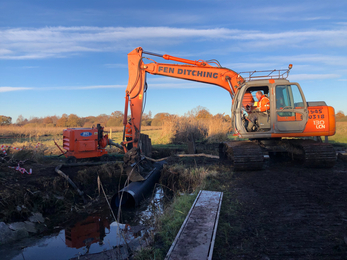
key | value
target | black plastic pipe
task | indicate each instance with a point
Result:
(136, 191)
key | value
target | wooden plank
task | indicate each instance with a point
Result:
(195, 239)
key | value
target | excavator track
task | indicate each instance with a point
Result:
(243, 155)
(313, 154)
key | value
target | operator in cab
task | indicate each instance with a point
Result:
(263, 105)
(264, 102)
(128, 135)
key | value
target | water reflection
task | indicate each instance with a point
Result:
(94, 234)
(89, 231)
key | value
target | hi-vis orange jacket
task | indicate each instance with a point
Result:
(128, 130)
(264, 104)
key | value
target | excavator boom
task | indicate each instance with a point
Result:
(199, 71)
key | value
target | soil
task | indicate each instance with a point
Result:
(46, 192)
(285, 212)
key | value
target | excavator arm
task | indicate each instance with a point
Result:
(199, 71)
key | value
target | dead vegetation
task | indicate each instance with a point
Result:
(45, 191)
(181, 129)
(183, 179)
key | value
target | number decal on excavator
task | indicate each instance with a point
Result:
(316, 114)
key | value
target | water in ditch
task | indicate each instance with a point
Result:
(93, 234)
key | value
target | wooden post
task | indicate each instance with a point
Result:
(111, 133)
(146, 145)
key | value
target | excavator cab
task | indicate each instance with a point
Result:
(287, 112)
(253, 119)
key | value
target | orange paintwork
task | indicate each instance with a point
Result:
(247, 99)
(83, 143)
(321, 122)
(199, 71)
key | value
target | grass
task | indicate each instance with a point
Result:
(168, 226)
(180, 180)
(28, 137)
(341, 134)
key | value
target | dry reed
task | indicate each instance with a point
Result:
(181, 129)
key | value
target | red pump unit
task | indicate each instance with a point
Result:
(85, 142)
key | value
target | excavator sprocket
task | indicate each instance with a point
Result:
(244, 155)
(313, 154)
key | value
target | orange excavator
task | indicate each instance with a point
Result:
(284, 127)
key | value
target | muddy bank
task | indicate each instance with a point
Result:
(45, 193)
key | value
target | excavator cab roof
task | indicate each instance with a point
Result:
(266, 74)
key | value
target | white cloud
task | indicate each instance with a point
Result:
(9, 89)
(39, 43)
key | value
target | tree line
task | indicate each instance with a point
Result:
(340, 116)
(115, 119)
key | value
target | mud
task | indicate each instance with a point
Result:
(45, 192)
(285, 212)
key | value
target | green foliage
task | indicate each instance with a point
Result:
(5, 120)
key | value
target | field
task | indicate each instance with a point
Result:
(280, 212)
(30, 136)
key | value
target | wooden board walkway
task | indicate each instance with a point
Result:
(196, 238)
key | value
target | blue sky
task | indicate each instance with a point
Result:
(71, 56)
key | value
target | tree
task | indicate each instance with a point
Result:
(117, 114)
(115, 121)
(159, 118)
(89, 121)
(62, 121)
(102, 119)
(203, 114)
(5, 120)
(73, 121)
(47, 120)
(20, 120)
(340, 115)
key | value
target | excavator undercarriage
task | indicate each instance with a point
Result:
(249, 155)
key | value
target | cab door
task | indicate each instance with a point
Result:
(291, 109)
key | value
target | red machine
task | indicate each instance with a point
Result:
(87, 232)
(81, 143)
